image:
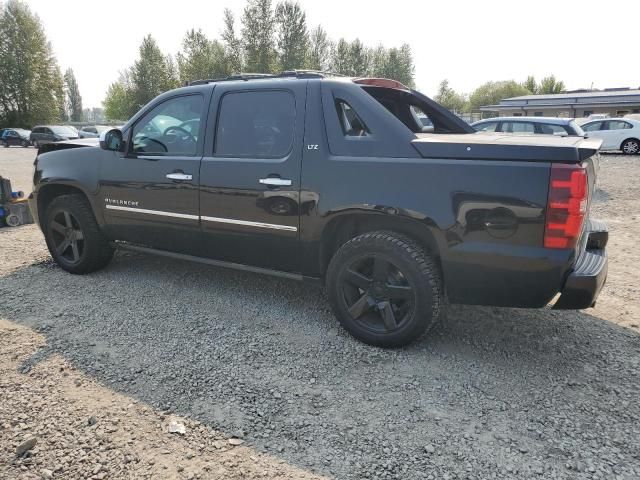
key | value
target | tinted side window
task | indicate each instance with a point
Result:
(258, 124)
(352, 125)
(168, 127)
(592, 127)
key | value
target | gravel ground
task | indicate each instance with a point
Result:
(492, 393)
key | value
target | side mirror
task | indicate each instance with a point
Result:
(112, 140)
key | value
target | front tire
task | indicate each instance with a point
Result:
(384, 288)
(35, 144)
(25, 143)
(5, 144)
(631, 146)
(73, 236)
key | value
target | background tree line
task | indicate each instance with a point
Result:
(33, 88)
(269, 39)
(491, 93)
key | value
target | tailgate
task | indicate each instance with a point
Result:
(500, 146)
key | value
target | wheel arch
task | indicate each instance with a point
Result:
(346, 226)
(47, 192)
(627, 139)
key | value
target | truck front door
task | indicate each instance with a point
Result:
(150, 193)
(250, 174)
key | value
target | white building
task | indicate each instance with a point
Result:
(614, 102)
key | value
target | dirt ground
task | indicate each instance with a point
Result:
(97, 368)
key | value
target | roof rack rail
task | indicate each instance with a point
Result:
(257, 76)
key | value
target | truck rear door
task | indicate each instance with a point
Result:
(250, 174)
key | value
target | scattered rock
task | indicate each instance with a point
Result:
(177, 427)
(430, 449)
(235, 441)
(46, 474)
(26, 446)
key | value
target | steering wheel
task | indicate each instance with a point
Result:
(162, 145)
(186, 136)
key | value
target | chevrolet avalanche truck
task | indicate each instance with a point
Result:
(312, 176)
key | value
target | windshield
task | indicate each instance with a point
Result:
(63, 131)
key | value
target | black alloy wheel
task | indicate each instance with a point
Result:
(67, 237)
(377, 294)
(384, 288)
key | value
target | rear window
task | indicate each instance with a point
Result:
(417, 112)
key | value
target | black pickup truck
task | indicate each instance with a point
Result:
(308, 176)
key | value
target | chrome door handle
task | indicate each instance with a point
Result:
(179, 176)
(275, 181)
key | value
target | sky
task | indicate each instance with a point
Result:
(583, 43)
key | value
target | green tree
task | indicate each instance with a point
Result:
(232, 45)
(530, 84)
(398, 65)
(293, 41)
(152, 74)
(358, 59)
(550, 85)
(119, 103)
(258, 36)
(378, 61)
(31, 86)
(73, 98)
(200, 58)
(491, 93)
(449, 98)
(341, 58)
(319, 50)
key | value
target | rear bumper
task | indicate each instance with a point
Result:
(589, 273)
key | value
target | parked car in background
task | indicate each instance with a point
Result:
(43, 134)
(92, 131)
(616, 134)
(15, 136)
(563, 127)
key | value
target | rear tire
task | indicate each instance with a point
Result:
(73, 236)
(630, 146)
(384, 289)
(35, 144)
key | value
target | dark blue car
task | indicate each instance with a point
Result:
(15, 136)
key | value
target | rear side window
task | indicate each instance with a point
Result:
(518, 127)
(352, 125)
(256, 124)
(486, 127)
(617, 125)
(552, 129)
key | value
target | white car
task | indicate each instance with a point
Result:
(616, 134)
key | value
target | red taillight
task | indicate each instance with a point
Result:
(566, 206)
